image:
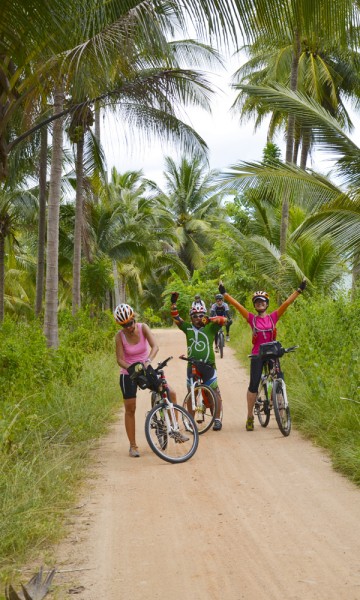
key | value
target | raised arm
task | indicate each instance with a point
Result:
(282, 308)
(174, 311)
(239, 307)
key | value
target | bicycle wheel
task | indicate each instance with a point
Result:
(205, 408)
(262, 405)
(221, 343)
(172, 435)
(281, 406)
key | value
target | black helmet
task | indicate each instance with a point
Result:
(219, 297)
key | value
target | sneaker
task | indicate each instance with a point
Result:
(180, 437)
(228, 338)
(134, 452)
(250, 424)
(217, 425)
(216, 349)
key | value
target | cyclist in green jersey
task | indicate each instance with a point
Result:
(200, 334)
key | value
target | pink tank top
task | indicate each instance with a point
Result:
(135, 352)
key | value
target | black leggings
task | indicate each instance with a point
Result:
(256, 367)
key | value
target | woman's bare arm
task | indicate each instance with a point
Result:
(152, 341)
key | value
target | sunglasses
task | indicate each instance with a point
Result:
(129, 324)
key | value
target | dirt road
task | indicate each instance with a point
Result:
(252, 515)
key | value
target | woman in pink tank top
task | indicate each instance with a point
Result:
(134, 343)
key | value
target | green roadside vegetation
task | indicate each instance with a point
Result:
(322, 376)
(54, 406)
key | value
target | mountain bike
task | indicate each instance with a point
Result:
(200, 401)
(272, 389)
(170, 430)
(221, 342)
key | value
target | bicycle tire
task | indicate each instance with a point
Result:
(262, 405)
(206, 406)
(221, 343)
(164, 442)
(281, 407)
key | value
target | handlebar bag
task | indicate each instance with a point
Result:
(271, 350)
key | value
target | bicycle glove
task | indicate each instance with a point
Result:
(174, 297)
(222, 289)
(302, 286)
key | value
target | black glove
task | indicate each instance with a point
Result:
(174, 297)
(135, 369)
(302, 286)
(222, 289)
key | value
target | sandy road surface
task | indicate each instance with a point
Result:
(252, 516)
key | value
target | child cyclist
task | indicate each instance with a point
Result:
(263, 326)
(200, 334)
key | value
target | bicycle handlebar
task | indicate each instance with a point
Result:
(163, 364)
(194, 361)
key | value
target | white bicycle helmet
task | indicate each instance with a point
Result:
(197, 309)
(123, 313)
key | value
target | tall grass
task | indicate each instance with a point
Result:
(320, 374)
(47, 428)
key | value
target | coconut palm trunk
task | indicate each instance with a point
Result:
(2, 274)
(40, 271)
(116, 282)
(289, 154)
(76, 289)
(52, 284)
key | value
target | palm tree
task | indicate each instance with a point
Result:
(12, 216)
(303, 22)
(335, 211)
(324, 75)
(193, 200)
(52, 284)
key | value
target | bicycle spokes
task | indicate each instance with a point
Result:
(201, 403)
(171, 433)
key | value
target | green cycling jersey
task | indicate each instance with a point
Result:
(200, 342)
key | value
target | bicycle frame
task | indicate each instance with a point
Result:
(272, 394)
(171, 422)
(201, 401)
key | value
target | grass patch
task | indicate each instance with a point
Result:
(42, 466)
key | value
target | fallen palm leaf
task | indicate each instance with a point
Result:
(35, 589)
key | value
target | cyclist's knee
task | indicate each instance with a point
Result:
(130, 406)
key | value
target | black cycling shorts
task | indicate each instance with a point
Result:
(128, 386)
(256, 366)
